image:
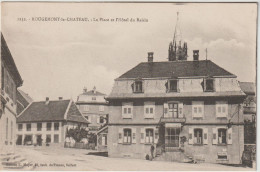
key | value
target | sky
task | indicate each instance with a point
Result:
(59, 59)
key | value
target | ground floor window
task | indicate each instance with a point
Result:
(28, 140)
(56, 138)
(19, 140)
(104, 140)
(222, 136)
(127, 135)
(172, 137)
(149, 136)
(198, 136)
(48, 138)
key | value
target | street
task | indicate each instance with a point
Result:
(57, 158)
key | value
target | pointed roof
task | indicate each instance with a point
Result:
(177, 32)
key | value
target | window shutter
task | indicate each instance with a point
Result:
(133, 135)
(205, 136)
(180, 110)
(98, 119)
(190, 136)
(214, 85)
(229, 139)
(120, 135)
(156, 135)
(142, 86)
(214, 139)
(142, 135)
(165, 109)
(166, 85)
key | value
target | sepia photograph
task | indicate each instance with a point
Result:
(128, 86)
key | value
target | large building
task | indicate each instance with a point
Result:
(93, 106)
(48, 120)
(10, 80)
(188, 109)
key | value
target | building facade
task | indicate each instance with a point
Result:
(10, 80)
(190, 111)
(94, 107)
(48, 121)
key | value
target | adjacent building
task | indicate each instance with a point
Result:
(23, 100)
(48, 121)
(10, 81)
(188, 109)
(94, 107)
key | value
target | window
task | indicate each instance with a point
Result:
(197, 109)
(138, 87)
(86, 107)
(149, 136)
(94, 98)
(172, 138)
(221, 109)
(173, 85)
(127, 136)
(48, 138)
(101, 108)
(20, 127)
(209, 84)
(49, 126)
(149, 109)
(222, 156)
(56, 126)
(56, 138)
(39, 126)
(127, 109)
(173, 110)
(28, 127)
(101, 120)
(198, 136)
(222, 136)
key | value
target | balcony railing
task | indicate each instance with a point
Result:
(170, 117)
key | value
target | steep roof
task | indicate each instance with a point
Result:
(248, 87)
(176, 69)
(7, 57)
(53, 111)
(25, 96)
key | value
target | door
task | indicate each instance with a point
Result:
(172, 138)
(173, 110)
(19, 140)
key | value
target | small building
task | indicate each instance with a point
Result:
(48, 121)
(102, 139)
(23, 100)
(10, 81)
(94, 108)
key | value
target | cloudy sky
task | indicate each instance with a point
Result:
(60, 58)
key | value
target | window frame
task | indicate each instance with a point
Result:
(86, 108)
(220, 105)
(101, 108)
(55, 127)
(205, 84)
(149, 106)
(140, 89)
(151, 135)
(20, 128)
(197, 105)
(48, 128)
(39, 126)
(127, 132)
(170, 85)
(202, 136)
(28, 128)
(126, 106)
(226, 136)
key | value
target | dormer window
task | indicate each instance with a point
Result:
(138, 87)
(172, 85)
(209, 84)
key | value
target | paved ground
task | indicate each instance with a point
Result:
(56, 158)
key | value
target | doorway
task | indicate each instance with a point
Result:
(172, 139)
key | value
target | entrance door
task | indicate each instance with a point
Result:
(39, 140)
(19, 140)
(171, 138)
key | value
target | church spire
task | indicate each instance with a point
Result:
(177, 48)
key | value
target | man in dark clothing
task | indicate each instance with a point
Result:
(152, 151)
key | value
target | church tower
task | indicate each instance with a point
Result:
(178, 48)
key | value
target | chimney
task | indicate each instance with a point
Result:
(94, 90)
(150, 56)
(60, 98)
(195, 55)
(47, 101)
